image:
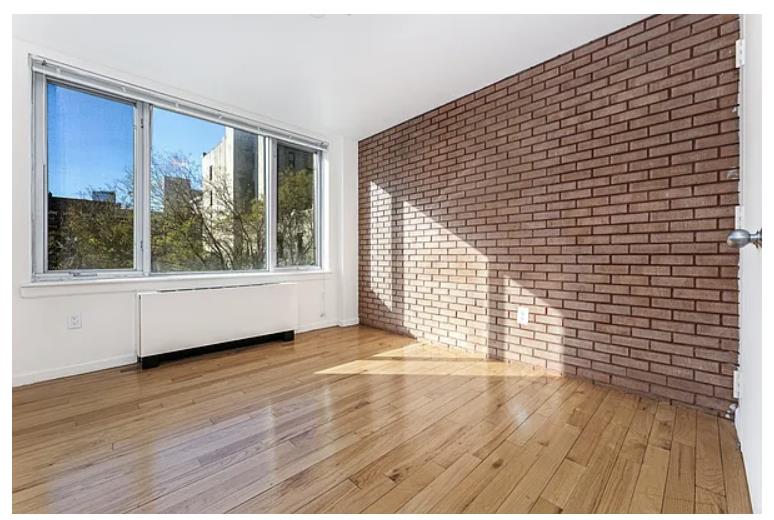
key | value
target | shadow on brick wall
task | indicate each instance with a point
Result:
(438, 274)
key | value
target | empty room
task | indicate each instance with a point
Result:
(386, 263)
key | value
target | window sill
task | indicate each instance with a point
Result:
(45, 288)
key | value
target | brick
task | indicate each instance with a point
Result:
(596, 189)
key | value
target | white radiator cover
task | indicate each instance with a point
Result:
(170, 321)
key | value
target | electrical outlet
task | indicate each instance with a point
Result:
(74, 321)
(522, 315)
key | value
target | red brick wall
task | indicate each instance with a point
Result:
(596, 189)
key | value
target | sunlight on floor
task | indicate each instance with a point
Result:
(426, 359)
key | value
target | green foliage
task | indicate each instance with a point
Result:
(86, 234)
(202, 229)
(295, 217)
(195, 225)
(95, 235)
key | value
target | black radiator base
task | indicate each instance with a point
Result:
(156, 359)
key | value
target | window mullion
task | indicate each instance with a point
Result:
(137, 202)
(271, 202)
(143, 183)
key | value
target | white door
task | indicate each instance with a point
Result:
(748, 417)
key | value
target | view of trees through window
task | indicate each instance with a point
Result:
(295, 206)
(208, 207)
(207, 199)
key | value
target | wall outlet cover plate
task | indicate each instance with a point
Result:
(74, 321)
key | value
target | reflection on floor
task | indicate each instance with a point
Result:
(357, 419)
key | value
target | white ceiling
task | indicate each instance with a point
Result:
(337, 74)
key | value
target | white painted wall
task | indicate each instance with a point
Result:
(43, 346)
(748, 417)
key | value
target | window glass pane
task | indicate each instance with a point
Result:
(208, 187)
(90, 181)
(295, 206)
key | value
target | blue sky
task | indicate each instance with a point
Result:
(91, 140)
(172, 132)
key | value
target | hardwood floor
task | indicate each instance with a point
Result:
(360, 420)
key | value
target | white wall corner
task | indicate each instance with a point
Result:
(348, 259)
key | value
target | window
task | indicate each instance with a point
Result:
(90, 181)
(295, 207)
(206, 222)
(129, 182)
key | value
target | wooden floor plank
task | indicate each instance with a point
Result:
(708, 502)
(349, 420)
(709, 467)
(524, 495)
(497, 463)
(648, 495)
(679, 495)
(544, 507)
(620, 486)
(567, 477)
(406, 489)
(600, 462)
(680, 492)
(490, 498)
(425, 499)
(325, 502)
(663, 427)
(358, 498)
(734, 477)
(685, 427)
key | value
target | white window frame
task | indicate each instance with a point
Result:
(143, 100)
